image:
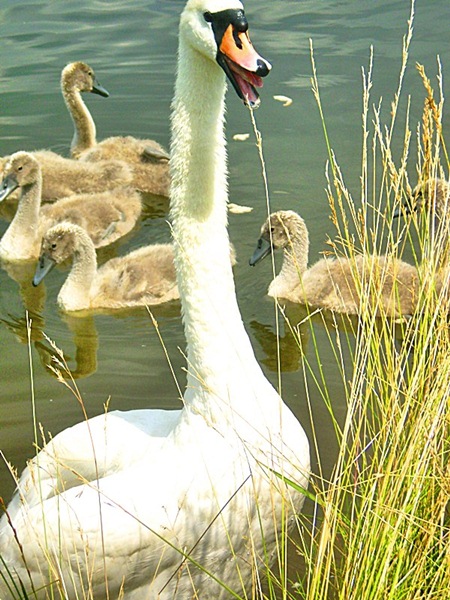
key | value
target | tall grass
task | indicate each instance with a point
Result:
(381, 527)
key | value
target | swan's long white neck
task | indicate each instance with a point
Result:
(84, 136)
(219, 351)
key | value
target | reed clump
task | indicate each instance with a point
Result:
(381, 523)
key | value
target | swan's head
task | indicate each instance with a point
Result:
(219, 30)
(432, 195)
(279, 231)
(80, 77)
(59, 243)
(21, 169)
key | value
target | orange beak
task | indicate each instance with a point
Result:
(236, 55)
(237, 47)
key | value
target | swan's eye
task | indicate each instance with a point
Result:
(207, 16)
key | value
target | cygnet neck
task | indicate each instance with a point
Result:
(84, 136)
(22, 238)
(75, 293)
(295, 261)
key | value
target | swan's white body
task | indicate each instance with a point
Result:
(203, 480)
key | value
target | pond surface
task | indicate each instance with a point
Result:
(118, 359)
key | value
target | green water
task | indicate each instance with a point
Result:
(132, 46)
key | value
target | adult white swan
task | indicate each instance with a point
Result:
(178, 504)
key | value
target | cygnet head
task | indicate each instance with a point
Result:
(80, 77)
(218, 29)
(20, 170)
(59, 243)
(280, 231)
(433, 194)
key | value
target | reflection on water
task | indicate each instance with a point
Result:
(33, 298)
(283, 350)
(85, 340)
(30, 328)
(287, 343)
(293, 338)
(132, 47)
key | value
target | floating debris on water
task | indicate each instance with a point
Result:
(241, 137)
(284, 99)
(238, 209)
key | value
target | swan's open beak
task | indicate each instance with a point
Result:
(243, 66)
(44, 266)
(7, 186)
(263, 249)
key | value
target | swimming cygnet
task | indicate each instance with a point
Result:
(147, 159)
(62, 177)
(334, 283)
(106, 216)
(145, 276)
